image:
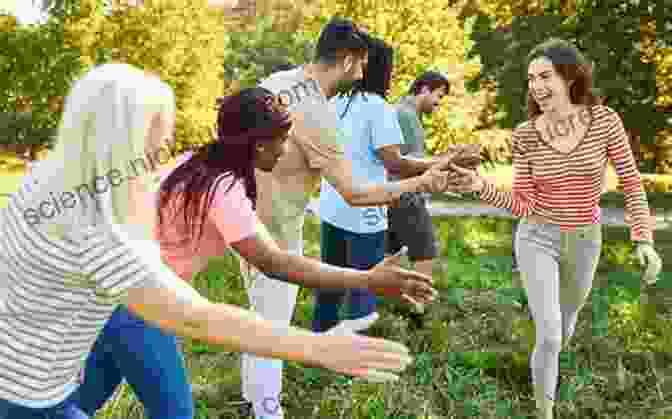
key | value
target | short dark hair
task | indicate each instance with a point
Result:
(430, 79)
(340, 35)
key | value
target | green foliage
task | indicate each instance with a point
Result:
(181, 41)
(37, 68)
(252, 55)
(627, 81)
(18, 129)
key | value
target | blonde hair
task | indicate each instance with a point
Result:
(102, 131)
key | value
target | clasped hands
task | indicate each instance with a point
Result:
(455, 170)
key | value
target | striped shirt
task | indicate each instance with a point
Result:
(565, 188)
(55, 296)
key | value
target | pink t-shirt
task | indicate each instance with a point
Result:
(231, 219)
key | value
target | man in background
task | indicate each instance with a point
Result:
(409, 221)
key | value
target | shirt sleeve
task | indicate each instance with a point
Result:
(408, 131)
(317, 132)
(385, 128)
(521, 200)
(636, 204)
(115, 263)
(231, 212)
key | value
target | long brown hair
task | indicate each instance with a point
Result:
(572, 65)
(250, 117)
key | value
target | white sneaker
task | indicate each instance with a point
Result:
(270, 409)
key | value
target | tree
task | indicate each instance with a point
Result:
(252, 55)
(37, 68)
(181, 41)
(625, 74)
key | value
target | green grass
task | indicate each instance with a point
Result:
(470, 355)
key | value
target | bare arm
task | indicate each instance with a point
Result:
(308, 272)
(180, 309)
(339, 175)
(403, 166)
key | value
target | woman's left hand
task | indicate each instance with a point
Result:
(388, 279)
(463, 180)
(648, 257)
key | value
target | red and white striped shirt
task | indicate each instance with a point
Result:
(565, 188)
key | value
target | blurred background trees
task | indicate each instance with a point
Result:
(481, 44)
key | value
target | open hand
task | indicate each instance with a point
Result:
(388, 279)
(372, 359)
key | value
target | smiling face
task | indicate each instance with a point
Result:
(431, 99)
(546, 86)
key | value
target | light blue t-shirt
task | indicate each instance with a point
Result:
(369, 124)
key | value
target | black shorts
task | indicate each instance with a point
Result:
(411, 225)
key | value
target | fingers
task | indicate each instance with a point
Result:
(438, 181)
(371, 375)
(459, 170)
(415, 276)
(380, 345)
(376, 376)
(412, 301)
(419, 287)
(396, 258)
(653, 269)
(443, 165)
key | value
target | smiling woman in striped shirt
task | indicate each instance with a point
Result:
(68, 260)
(559, 156)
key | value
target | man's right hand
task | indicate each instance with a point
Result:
(435, 179)
(463, 155)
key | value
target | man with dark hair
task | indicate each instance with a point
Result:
(409, 221)
(314, 151)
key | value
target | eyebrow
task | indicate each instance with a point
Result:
(543, 72)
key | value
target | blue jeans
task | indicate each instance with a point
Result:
(147, 358)
(352, 250)
(64, 410)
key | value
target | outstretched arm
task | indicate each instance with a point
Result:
(339, 175)
(404, 166)
(520, 201)
(176, 307)
(386, 278)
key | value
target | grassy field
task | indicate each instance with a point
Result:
(470, 353)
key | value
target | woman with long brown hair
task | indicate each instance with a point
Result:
(559, 156)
